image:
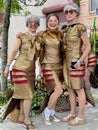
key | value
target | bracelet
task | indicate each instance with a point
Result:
(80, 61)
(8, 65)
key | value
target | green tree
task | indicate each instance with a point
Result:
(78, 2)
(8, 7)
(5, 28)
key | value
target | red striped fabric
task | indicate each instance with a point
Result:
(46, 70)
(47, 75)
(20, 82)
(19, 76)
(77, 76)
(94, 61)
(94, 57)
(77, 70)
(49, 80)
(16, 70)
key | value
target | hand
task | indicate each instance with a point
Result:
(6, 72)
(77, 65)
(18, 35)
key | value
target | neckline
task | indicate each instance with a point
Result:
(33, 34)
(72, 25)
(50, 30)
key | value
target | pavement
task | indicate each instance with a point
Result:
(90, 112)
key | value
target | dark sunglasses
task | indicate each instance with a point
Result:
(69, 11)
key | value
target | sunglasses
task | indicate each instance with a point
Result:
(34, 21)
(69, 11)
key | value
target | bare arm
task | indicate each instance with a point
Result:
(87, 72)
(12, 55)
(86, 58)
(14, 51)
(86, 50)
(86, 45)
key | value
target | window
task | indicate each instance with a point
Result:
(92, 5)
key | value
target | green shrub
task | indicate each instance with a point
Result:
(36, 102)
(5, 96)
(92, 41)
(3, 99)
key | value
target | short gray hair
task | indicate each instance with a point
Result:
(32, 18)
(72, 6)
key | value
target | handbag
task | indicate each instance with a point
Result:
(89, 96)
(63, 103)
(40, 83)
(94, 79)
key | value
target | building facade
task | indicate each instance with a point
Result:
(87, 15)
(17, 22)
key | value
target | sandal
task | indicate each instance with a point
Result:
(68, 118)
(77, 121)
(20, 122)
(23, 124)
(30, 127)
(47, 121)
(55, 118)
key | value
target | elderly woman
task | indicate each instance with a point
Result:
(23, 72)
(51, 64)
(51, 58)
(74, 69)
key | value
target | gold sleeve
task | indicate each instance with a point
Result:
(81, 29)
(40, 45)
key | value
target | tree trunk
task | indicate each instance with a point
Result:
(6, 23)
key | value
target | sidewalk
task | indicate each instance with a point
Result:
(90, 112)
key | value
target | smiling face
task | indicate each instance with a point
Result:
(32, 26)
(53, 22)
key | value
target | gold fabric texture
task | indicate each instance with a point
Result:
(23, 73)
(52, 49)
(73, 77)
(51, 57)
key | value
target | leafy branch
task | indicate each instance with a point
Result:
(37, 2)
(78, 2)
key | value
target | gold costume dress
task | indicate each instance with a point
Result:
(23, 75)
(52, 56)
(23, 72)
(74, 78)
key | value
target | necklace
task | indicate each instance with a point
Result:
(33, 34)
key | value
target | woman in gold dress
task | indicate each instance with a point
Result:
(23, 72)
(51, 64)
(74, 67)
